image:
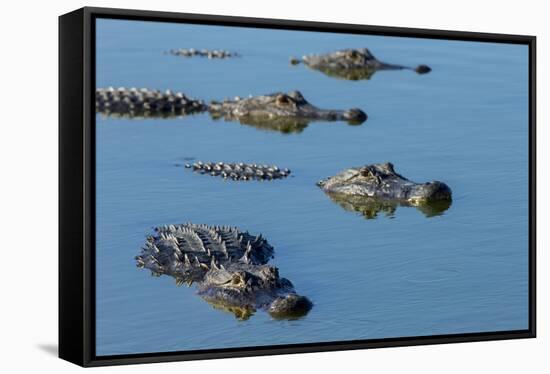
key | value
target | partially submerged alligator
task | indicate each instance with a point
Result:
(278, 107)
(282, 112)
(214, 53)
(229, 266)
(352, 64)
(380, 182)
(143, 102)
(239, 171)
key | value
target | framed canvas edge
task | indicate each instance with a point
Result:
(86, 322)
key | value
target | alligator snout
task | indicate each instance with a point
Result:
(430, 192)
(423, 69)
(290, 306)
(355, 116)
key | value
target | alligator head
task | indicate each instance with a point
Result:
(380, 182)
(229, 266)
(250, 287)
(289, 111)
(352, 64)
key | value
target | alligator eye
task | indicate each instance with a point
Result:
(239, 279)
(283, 100)
(236, 279)
(366, 172)
(352, 54)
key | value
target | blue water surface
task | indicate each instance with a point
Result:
(465, 123)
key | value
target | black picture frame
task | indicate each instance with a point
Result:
(77, 185)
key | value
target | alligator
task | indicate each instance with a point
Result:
(352, 64)
(191, 52)
(239, 171)
(379, 182)
(280, 108)
(228, 265)
(136, 103)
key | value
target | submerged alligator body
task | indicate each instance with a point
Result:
(352, 64)
(214, 53)
(143, 102)
(239, 171)
(280, 110)
(377, 187)
(229, 266)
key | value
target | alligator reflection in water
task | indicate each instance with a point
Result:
(370, 207)
(282, 125)
(352, 64)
